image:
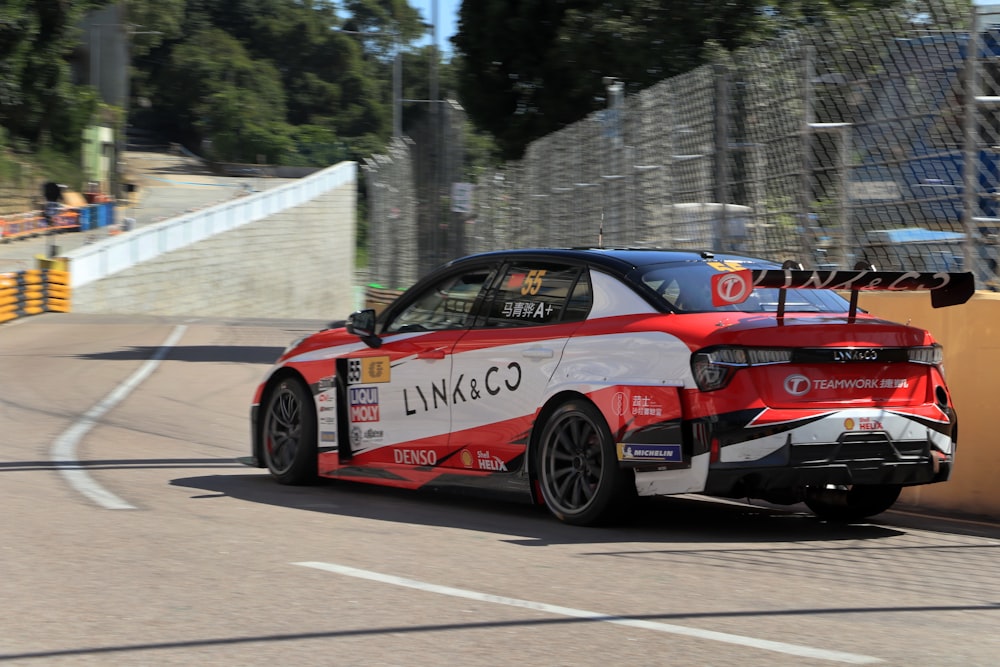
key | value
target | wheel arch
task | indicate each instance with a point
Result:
(550, 406)
(265, 397)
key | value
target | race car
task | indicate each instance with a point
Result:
(584, 379)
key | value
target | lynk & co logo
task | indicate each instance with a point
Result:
(797, 385)
(495, 380)
(855, 355)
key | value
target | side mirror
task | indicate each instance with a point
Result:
(361, 323)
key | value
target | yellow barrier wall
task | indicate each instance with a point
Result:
(970, 334)
(34, 292)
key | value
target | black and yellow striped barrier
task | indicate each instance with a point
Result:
(32, 292)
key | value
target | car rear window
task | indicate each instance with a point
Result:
(687, 288)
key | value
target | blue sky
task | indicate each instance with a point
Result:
(447, 11)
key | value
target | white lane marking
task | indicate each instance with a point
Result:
(63, 451)
(779, 647)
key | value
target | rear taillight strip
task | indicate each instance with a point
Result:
(714, 367)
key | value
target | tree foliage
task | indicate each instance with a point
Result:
(530, 67)
(289, 81)
(39, 104)
(302, 80)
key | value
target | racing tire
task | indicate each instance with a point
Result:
(578, 472)
(288, 434)
(851, 504)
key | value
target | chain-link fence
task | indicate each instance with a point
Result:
(392, 216)
(831, 146)
(411, 227)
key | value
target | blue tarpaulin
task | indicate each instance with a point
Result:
(913, 235)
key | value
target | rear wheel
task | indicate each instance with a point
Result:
(851, 503)
(289, 433)
(578, 469)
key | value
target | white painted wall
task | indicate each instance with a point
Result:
(286, 253)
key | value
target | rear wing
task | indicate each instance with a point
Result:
(947, 289)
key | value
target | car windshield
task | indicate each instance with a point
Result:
(687, 288)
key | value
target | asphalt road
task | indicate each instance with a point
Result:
(131, 537)
(169, 185)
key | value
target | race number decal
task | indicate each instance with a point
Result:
(533, 282)
(368, 370)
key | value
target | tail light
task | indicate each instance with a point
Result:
(930, 355)
(713, 368)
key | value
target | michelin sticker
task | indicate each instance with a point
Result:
(628, 451)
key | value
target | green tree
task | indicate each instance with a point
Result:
(39, 104)
(528, 68)
(293, 56)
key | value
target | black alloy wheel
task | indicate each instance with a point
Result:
(289, 433)
(578, 471)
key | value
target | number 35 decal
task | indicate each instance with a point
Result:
(533, 282)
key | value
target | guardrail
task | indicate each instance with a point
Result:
(32, 292)
(118, 253)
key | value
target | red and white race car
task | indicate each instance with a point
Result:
(584, 378)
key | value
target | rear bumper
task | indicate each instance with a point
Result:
(795, 467)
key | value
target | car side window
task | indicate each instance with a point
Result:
(533, 293)
(448, 304)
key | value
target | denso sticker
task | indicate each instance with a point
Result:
(635, 452)
(415, 457)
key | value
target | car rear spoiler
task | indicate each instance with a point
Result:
(947, 289)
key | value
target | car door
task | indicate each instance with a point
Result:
(396, 397)
(502, 365)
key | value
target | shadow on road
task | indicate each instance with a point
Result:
(660, 520)
(247, 354)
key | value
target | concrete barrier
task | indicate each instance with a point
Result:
(285, 252)
(970, 334)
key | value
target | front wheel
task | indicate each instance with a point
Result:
(851, 503)
(578, 471)
(289, 433)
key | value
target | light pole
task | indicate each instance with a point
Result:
(613, 131)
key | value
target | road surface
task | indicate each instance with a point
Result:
(130, 536)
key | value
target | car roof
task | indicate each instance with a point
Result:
(617, 260)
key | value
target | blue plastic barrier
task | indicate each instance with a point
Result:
(105, 214)
(85, 214)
